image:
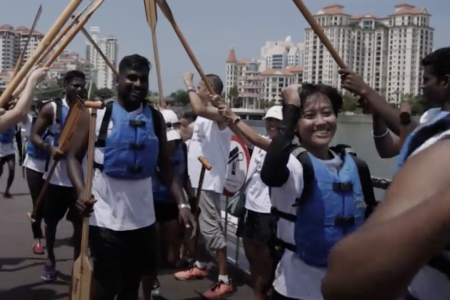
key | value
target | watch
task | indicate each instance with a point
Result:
(237, 120)
(192, 89)
(184, 205)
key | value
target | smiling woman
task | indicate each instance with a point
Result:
(308, 170)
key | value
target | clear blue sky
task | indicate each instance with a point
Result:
(209, 26)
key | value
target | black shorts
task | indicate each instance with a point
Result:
(7, 158)
(256, 226)
(58, 201)
(166, 211)
(123, 257)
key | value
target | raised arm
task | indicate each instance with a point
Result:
(409, 227)
(274, 172)
(16, 115)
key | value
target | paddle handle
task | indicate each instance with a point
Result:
(204, 162)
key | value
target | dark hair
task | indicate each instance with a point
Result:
(190, 115)
(134, 62)
(216, 83)
(309, 89)
(71, 75)
(439, 61)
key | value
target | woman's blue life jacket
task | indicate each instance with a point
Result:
(131, 149)
(7, 137)
(161, 192)
(331, 206)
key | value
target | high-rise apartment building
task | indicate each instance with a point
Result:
(102, 75)
(12, 42)
(385, 51)
(281, 54)
(258, 86)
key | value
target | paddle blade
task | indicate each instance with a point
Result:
(150, 13)
(165, 10)
(81, 279)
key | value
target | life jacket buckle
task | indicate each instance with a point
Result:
(340, 221)
(134, 169)
(345, 187)
(135, 146)
(136, 123)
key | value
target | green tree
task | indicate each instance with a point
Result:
(350, 103)
(49, 92)
(233, 97)
(181, 97)
(103, 93)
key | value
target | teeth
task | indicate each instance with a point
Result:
(322, 131)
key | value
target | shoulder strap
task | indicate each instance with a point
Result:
(428, 132)
(364, 176)
(59, 105)
(156, 116)
(308, 172)
(103, 132)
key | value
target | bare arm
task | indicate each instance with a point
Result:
(79, 146)
(43, 121)
(410, 226)
(15, 115)
(250, 135)
(386, 143)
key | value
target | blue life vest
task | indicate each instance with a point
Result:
(160, 191)
(421, 134)
(332, 205)
(7, 137)
(131, 149)
(62, 112)
(33, 151)
(414, 141)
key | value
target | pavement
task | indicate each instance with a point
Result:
(20, 268)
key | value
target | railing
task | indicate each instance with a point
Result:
(235, 251)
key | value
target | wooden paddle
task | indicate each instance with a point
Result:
(63, 144)
(22, 54)
(82, 269)
(152, 19)
(49, 36)
(196, 209)
(97, 48)
(62, 34)
(169, 16)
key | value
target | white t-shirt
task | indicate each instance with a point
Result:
(60, 177)
(121, 204)
(294, 278)
(430, 284)
(257, 196)
(214, 145)
(431, 114)
(34, 164)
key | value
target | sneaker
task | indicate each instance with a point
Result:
(192, 273)
(38, 249)
(49, 273)
(156, 288)
(218, 290)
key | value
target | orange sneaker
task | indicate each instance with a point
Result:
(218, 290)
(192, 273)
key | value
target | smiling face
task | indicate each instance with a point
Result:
(272, 127)
(317, 124)
(74, 87)
(133, 85)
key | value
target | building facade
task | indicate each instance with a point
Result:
(385, 51)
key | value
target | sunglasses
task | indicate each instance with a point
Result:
(170, 125)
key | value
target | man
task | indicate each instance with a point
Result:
(211, 139)
(391, 253)
(60, 196)
(131, 144)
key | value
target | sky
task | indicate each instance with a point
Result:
(211, 27)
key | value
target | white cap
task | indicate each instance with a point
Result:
(275, 112)
(171, 117)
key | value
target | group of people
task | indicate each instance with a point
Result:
(311, 228)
